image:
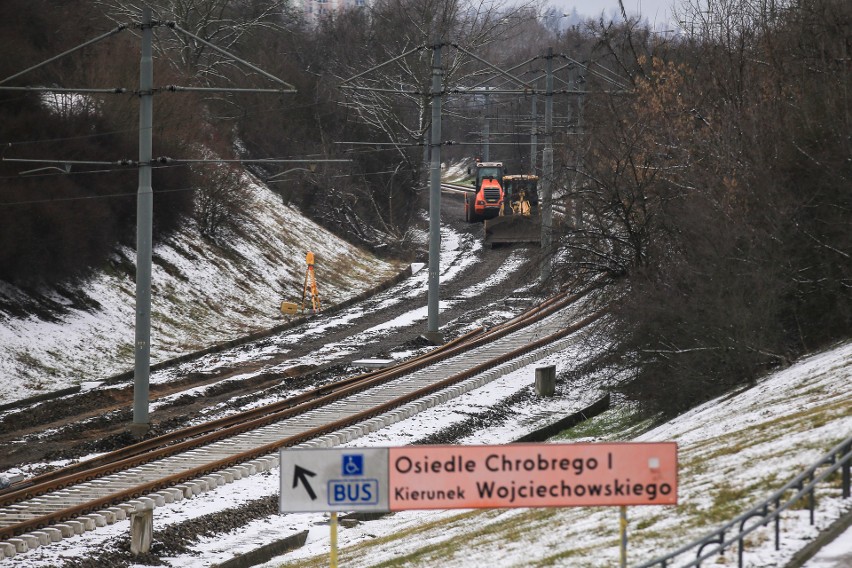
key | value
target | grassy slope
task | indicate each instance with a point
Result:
(203, 294)
(733, 452)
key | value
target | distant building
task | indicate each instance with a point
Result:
(318, 8)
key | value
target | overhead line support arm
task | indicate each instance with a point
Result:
(112, 32)
(174, 26)
(388, 62)
(494, 67)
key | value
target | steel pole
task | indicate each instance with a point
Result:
(547, 175)
(435, 198)
(486, 133)
(144, 220)
(534, 135)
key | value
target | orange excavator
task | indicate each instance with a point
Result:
(487, 200)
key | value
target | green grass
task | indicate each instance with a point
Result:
(448, 541)
(614, 424)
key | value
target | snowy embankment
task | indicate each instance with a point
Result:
(733, 452)
(202, 294)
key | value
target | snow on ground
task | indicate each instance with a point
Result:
(838, 554)
(754, 442)
(452, 263)
(202, 294)
(733, 451)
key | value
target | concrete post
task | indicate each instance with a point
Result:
(546, 183)
(534, 136)
(545, 381)
(141, 531)
(486, 133)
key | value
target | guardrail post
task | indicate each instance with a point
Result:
(812, 498)
(845, 469)
(777, 525)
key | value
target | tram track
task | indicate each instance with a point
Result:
(177, 465)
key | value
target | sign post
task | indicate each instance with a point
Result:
(622, 523)
(479, 477)
(333, 555)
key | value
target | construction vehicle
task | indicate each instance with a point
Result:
(487, 199)
(519, 220)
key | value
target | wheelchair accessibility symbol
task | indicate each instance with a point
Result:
(353, 464)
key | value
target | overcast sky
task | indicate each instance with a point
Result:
(656, 12)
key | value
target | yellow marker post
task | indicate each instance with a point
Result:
(333, 559)
(311, 284)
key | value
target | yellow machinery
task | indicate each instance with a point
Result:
(311, 284)
(292, 308)
(519, 220)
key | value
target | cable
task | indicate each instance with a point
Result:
(57, 199)
(46, 140)
(104, 171)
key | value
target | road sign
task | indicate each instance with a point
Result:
(334, 480)
(468, 477)
(532, 475)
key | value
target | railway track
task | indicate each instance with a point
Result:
(109, 488)
(456, 188)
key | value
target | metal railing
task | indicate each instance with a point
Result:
(735, 531)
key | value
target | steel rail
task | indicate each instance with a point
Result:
(208, 432)
(352, 388)
(25, 489)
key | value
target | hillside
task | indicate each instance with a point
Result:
(202, 294)
(733, 452)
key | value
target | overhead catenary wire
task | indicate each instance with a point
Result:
(179, 161)
(66, 138)
(90, 197)
(108, 90)
(144, 193)
(82, 172)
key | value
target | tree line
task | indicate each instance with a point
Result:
(720, 195)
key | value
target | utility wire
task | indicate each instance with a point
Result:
(87, 197)
(83, 172)
(80, 137)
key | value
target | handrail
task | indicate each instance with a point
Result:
(839, 457)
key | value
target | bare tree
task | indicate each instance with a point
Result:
(715, 191)
(221, 199)
(413, 26)
(226, 23)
